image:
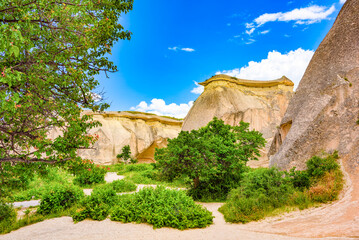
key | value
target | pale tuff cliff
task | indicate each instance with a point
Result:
(261, 103)
(323, 114)
(143, 132)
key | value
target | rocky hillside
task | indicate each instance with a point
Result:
(261, 103)
(143, 132)
(323, 116)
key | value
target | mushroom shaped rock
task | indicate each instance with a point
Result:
(261, 103)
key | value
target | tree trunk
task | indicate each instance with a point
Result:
(196, 182)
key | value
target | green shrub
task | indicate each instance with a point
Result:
(105, 194)
(299, 179)
(123, 186)
(261, 190)
(58, 197)
(40, 182)
(317, 166)
(126, 155)
(214, 157)
(161, 208)
(97, 206)
(7, 216)
(137, 168)
(264, 190)
(92, 208)
(88, 173)
(18, 176)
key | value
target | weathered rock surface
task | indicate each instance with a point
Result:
(261, 103)
(142, 132)
(323, 114)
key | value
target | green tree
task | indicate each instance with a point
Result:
(126, 154)
(214, 156)
(50, 53)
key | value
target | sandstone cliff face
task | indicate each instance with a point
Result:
(142, 132)
(261, 103)
(323, 114)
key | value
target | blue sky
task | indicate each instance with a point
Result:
(177, 43)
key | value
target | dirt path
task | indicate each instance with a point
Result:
(64, 229)
(338, 219)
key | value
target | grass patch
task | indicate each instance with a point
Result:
(119, 186)
(162, 208)
(267, 192)
(144, 173)
(29, 219)
(38, 185)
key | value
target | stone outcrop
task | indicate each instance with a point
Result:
(261, 103)
(142, 132)
(323, 114)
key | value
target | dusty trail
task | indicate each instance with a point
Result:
(64, 229)
(339, 220)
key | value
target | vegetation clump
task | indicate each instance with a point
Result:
(214, 157)
(7, 216)
(262, 191)
(162, 208)
(98, 205)
(59, 197)
(86, 172)
(126, 155)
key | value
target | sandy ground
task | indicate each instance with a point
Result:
(339, 220)
(64, 229)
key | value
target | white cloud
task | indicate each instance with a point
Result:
(250, 41)
(173, 48)
(307, 15)
(182, 49)
(159, 107)
(249, 32)
(291, 64)
(188, 49)
(265, 32)
(342, 1)
(197, 90)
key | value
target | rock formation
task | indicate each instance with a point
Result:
(143, 132)
(261, 103)
(323, 114)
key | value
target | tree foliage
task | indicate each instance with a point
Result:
(50, 52)
(214, 156)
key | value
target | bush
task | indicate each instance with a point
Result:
(39, 183)
(317, 166)
(264, 190)
(88, 173)
(18, 176)
(7, 216)
(97, 206)
(261, 190)
(137, 168)
(58, 197)
(162, 208)
(214, 157)
(123, 186)
(126, 155)
(299, 179)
